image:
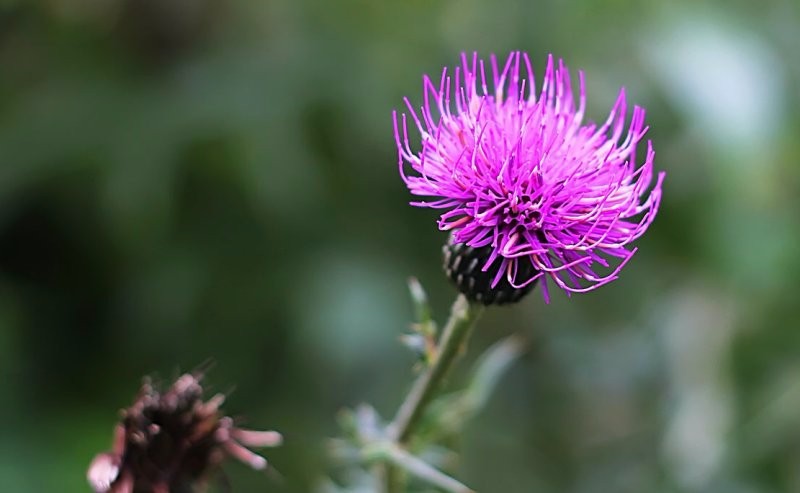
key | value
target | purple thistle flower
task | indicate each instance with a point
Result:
(523, 179)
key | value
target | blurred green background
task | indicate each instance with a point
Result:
(193, 179)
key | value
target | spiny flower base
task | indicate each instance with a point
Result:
(463, 265)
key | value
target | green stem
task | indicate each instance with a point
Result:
(463, 316)
(392, 478)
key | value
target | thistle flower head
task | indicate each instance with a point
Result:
(171, 442)
(521, 178)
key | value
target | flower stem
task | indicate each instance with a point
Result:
(463, 316)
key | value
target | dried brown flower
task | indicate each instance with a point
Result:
(172, 442)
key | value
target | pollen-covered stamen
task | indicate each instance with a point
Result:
(522, 210)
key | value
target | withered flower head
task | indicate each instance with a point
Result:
(172, 441)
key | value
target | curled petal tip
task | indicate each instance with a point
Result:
(103, 471)
(253, 438)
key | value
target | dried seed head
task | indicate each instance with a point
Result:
(172, 441)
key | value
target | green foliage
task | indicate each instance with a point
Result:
(191, 180)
